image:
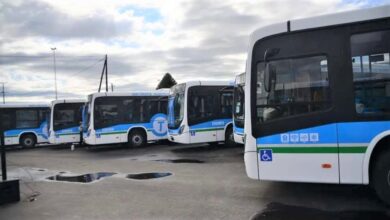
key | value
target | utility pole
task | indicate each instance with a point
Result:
(55, 70)
(106, 75)
(104, 71)
(112, 87)
(3, 91)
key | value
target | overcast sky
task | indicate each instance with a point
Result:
(194, 39)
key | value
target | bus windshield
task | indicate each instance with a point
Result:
(176, 106)
(239, 106)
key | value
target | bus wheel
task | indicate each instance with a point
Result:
(28, 140)
(229, 137)
(137, 138)
(381, 177)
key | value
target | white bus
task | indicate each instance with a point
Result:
(65, 121)
(239, 108)
(135, 118)
(317, 107)
(24, 124)
(201, 112)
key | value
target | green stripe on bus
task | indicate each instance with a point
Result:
(68, 134)
(315, 150)
(351, 150)
(117, 132)
(11, 136)
(208, 129)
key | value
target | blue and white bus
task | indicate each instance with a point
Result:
(24, 124)
(201, 112)
(65, 121)
(134, 118)
(317, 103)
(239, 108)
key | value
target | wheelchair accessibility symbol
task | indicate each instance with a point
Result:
(266, 155)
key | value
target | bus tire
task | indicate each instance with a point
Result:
(28, 140)
(381, 177)
(229, 137)
(136, 138)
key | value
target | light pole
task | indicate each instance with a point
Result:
(55, 70)
(3, 92)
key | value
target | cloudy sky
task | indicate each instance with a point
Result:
(191, 39)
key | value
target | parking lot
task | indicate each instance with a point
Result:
(206, 182)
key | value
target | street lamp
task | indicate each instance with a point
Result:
(55, 70)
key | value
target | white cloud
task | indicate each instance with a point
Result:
(193, 39)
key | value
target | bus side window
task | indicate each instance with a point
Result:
(6, 117)
(371, 72)
(26, 118)
(226, 104)
(163, 106)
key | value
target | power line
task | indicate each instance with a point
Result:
(88, 67)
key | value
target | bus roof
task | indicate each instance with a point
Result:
(68, 101)
(208, 83)
(133, 93)
(25, 105)
(321, 21)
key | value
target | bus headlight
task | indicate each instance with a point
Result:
(181, 129)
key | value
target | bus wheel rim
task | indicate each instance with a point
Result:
(27, 141)
(137, 139)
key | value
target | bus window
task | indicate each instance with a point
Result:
(298, 86)
(131, 110)
(371, 72)
(226, 104)
(63, 117)
(106, 113)
(27, 119)
(149, 107)
(163, 106)
(201, 104)
(6, 118)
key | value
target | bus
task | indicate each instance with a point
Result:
(201, 112)
(24, 124)
(134, 118)
(318, 103)
(238, 108)
(65, 121)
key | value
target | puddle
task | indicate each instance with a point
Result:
(145, 176)
(86, 178)
(280, 211)
(181, 161)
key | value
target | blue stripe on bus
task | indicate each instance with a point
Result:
(71, 130)
(41, 131)
(343, 133)
(173, 131)
(216, 123)
(239, 131)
